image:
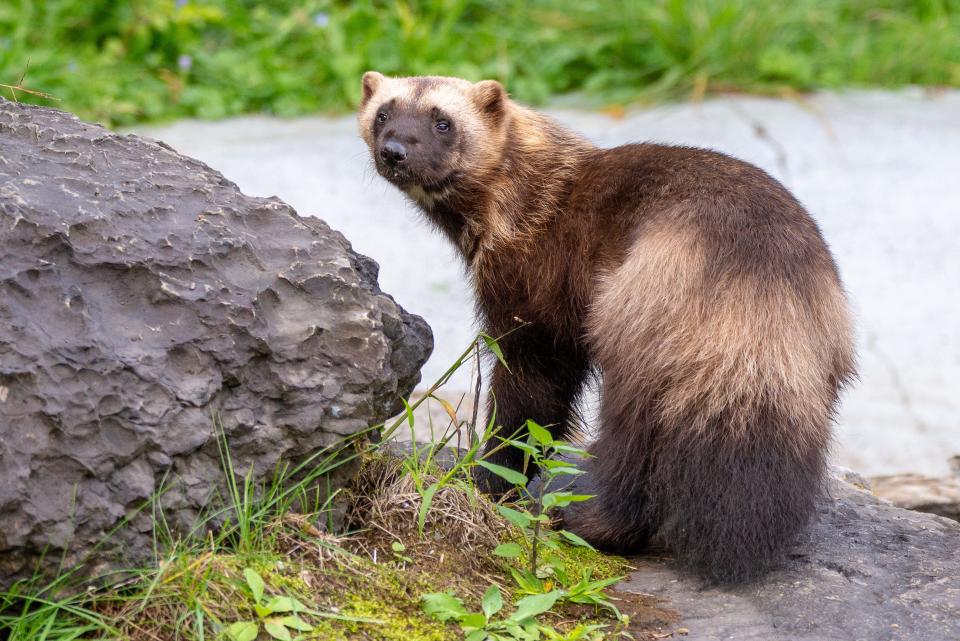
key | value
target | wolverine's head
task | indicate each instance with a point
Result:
(428, 134)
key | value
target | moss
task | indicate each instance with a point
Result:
(387, 593)
(575, 558)
(283, 577)
(601, 566)
(398, 625)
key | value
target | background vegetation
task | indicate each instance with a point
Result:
(124, 62)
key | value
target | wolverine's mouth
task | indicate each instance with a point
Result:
(441, 185)
(405, 179)
(396, 175)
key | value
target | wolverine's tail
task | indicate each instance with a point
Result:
(720, 379)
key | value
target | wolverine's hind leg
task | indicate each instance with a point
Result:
(542, 384)
(621, 517)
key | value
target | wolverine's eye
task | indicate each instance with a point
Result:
(442, 125)
(382, 116)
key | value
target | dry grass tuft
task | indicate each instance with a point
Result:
(383, 502)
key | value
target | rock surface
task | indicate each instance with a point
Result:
(866, 571)
(141, 292)
(933, 494)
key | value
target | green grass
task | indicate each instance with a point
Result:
(124, 62)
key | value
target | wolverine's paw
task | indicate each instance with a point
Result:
(589, 522)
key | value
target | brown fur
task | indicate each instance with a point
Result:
(694, 282)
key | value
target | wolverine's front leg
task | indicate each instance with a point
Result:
(542, 384)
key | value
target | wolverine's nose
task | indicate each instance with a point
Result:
(393, 152)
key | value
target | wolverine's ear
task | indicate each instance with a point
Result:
(371, 81)
(489, 96)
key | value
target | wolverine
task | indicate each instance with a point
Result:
(694, 284)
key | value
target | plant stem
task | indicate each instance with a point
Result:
(476, 397)
(538, 506)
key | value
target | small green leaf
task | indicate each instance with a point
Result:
(520, 519)
(285, 604)
(473, 621)
(566, 448)
(443, 606)
(520, 445)
(563, 499)
(554, 471)
(425, 501)
(495, 349)
(531, 629)
(255, 582)
(527, 581)
(492, 601)
(508, 550)
(262, 610)
(550, 463)
(539, 433)
(296, 623)
(576, 540)
(561, 467)
(276, 629)
(397, 546)
(600, 584)
(510, 476)
(407, 410)
(243, 631)
(533, 605)
(476, 635)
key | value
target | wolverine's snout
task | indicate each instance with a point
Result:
(393, 152)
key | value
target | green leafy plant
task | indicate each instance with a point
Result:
(542, 580)
(278, 615)
(544, 571)
(521, 625)
(398, 552)
(531, 513)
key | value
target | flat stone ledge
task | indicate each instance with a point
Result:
(866, 571)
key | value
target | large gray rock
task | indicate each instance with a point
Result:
(866, 571)
(140, 293)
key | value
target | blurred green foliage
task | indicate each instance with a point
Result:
(126, 61)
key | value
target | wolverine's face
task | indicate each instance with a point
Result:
(425, 134)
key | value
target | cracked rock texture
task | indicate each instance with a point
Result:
(866, 571)
(141, 292)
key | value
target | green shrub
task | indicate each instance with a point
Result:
(123, 62)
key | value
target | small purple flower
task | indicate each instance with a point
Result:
(321, 19)
(184, 62)
(180, 3)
